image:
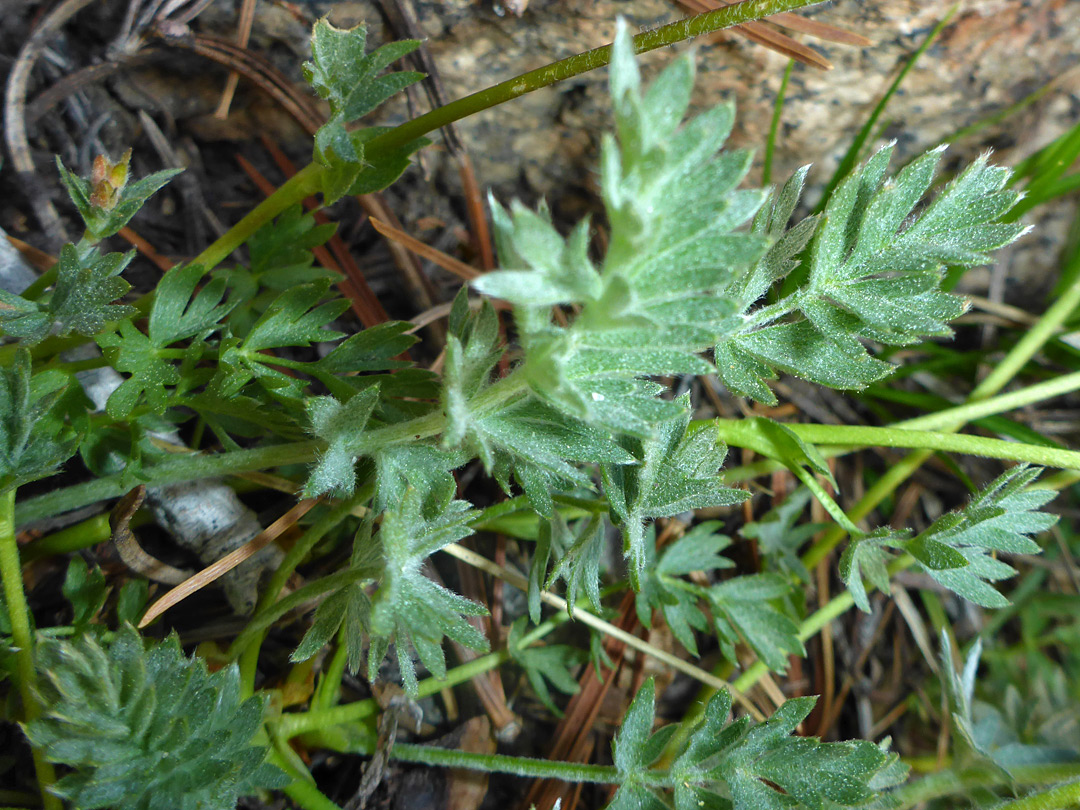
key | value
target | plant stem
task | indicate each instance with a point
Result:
(308, 180)
(745, 433)
(191, 466)
(1056, 798)
(573, 66)
(774, 127)
(301, 185)
(500, 763)
(978, 408)
(84, 534)
(301, 790)
(1032, 341)
(22, 638)
(170, 471)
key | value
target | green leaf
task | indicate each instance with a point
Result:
(85, 589)
(408, 608)
(151, 373)
(660, 296)
(341, 426)
(1015, 732)
(131, 601)
(177, 315)
(348, 607)
(663, 590)
(780, 535)
(35, 438)
(349, 80)
(959, 549)
(743, 608)
(866, 558)
(740, 766)
(180, 312)
(297, 317)
(578, 552)
(87, 284)
(875, 273)
(147, 729)
(676, 473)
(544, 665)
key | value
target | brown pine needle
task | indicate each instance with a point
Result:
(228, 562)
(448, 263)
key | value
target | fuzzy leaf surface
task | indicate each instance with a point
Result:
(741, 766)
(35, 438)
(961, 549)
(676, 473)
(147, 729)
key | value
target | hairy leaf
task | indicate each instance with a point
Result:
(408, 608)
(663, 589)
(960, 549)
(742, 766)
(87, 284)
(341, 73)
(875, 273)
(659, 298)
(676, 473)
(147, 728)
(35, 438)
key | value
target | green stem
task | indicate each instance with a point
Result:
(573, 66)
(308, 180)
(774, 127)
(298, 187)
(1032, 341)
(87, 533)
(1056, 798)
(328, 691)
(200, 465)
(979, 408)
(171, 471)
(249, 652)
(517, 766)
(745, 433)
(22, 638)
(300, 790)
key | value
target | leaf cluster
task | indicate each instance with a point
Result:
(147, 728)
(740, 766)
(960, 549)
(341, 73)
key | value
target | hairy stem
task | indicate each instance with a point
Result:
(661, 37)
(1061, 797)
(301, 185)
(501, 763)
(746, 433)
(192, 466)
(22, 637)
